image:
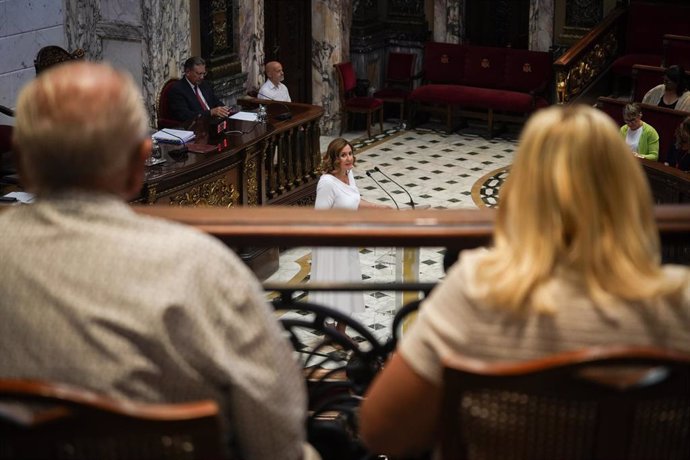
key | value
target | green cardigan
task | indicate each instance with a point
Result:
(649, 141)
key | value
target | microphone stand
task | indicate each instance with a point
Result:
(281, 116)
(177, 154)
(411, 203)
(385, 191)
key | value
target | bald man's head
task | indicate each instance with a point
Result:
(274, 72)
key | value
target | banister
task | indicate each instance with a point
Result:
(585, 62)
(303, 226)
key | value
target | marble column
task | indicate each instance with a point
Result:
(331, 22)
(541, 16)
(448, 21)
(251, 49)
(149, 38)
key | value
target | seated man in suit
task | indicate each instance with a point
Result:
(191, 96)
(273, 89)
(95, 295)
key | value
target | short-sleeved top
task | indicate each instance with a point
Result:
(332, 193)
(452, 323)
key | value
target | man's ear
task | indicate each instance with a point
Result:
(136, 167)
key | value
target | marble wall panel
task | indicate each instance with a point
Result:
(153, 33)
(25, 27)
(448, 26)
(251, 50)
(541, 17)
(166, 43)
(20, 16)
(330, 18)
(124, 55)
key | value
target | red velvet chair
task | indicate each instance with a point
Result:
(349, 102)
(677, 50)
(399, 80)
(165, 119)
(647, 23)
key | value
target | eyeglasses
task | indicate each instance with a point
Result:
(200, 74)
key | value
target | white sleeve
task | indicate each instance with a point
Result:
(325, 194)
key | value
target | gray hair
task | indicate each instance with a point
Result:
(76, 123)
(631, 111)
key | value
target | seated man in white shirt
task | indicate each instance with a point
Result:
(274, 89)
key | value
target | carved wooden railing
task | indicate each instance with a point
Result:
(293, 157)
(587, 60)
(250, 164)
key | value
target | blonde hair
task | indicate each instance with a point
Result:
(577, 200)
(330, 158)
(78, 122)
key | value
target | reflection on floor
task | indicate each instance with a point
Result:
(437, 169)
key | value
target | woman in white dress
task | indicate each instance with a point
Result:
(337, 190)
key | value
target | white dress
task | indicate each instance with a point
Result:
(339, 264)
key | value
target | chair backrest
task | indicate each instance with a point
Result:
(165, 118)
(400, 68)
(49, 56)
(47, 420)
(599, 403)
(347, 79)
(677, 51)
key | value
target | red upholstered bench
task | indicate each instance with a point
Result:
(482, 82)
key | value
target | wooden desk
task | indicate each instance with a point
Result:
(669, 185)
(272, 163)
(254, 164)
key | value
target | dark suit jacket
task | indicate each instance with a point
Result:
(183, 104)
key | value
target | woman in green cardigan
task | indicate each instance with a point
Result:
(642, 138)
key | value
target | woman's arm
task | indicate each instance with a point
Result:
(364, 204)
(652, 144)
(400, 412)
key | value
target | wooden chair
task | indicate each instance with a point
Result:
(49, 421)
(399, 80)
(165, 118)
(48, 56)
(599, 403)
(349, 102)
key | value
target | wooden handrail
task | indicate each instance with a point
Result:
(302, 226)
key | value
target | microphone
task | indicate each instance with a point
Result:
(281, 116)
(177, 154)
(411, 203)
(6, 111)
(381, 187)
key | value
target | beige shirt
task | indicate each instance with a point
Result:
(95, 295)
(654, 95)
(451, 323)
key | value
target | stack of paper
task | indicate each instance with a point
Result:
(245, 116)
(173, 136)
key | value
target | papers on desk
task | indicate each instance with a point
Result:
(245, 116)
(173, 136)
(20, 197)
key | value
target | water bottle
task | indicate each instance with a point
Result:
(261, 115)
(156, 151)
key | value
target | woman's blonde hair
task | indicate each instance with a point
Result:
(330, 158)
(575, 200)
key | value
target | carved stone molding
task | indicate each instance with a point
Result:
(214, 193)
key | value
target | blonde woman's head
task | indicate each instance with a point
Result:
(575, 197)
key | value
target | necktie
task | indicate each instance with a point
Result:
(198, 96)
